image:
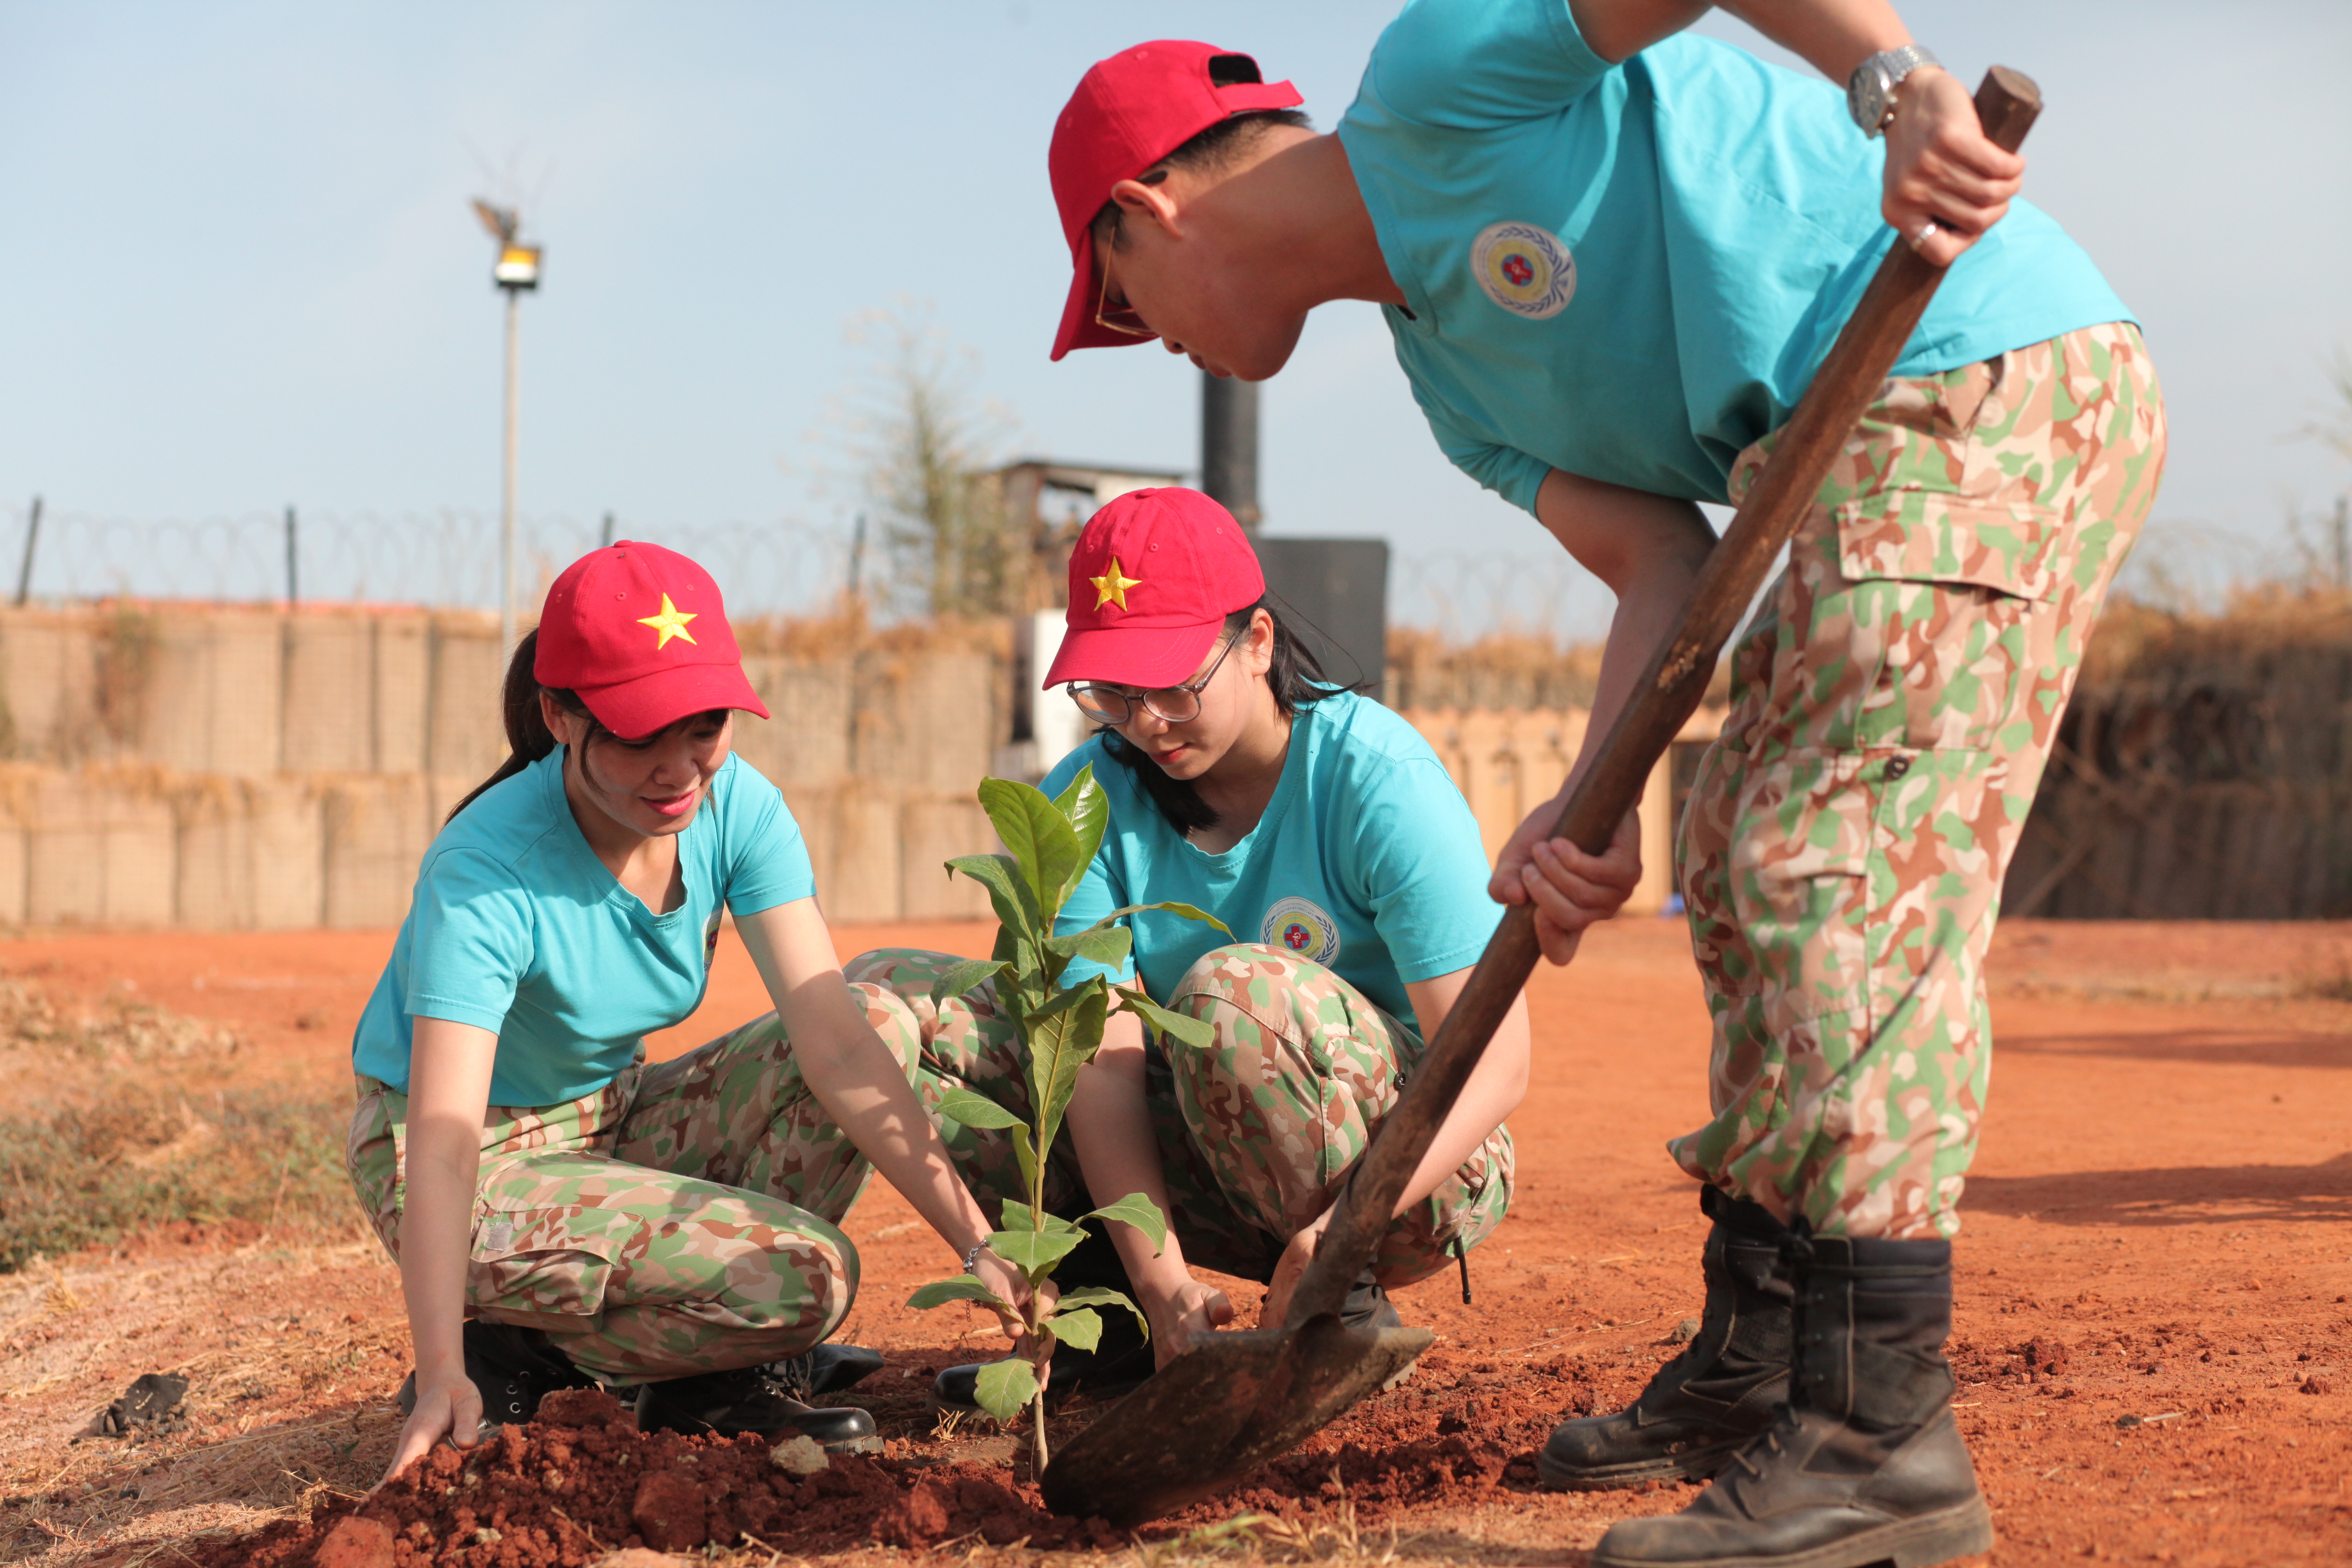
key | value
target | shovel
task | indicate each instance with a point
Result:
(1237, 1400)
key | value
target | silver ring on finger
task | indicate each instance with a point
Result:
(1920, 236)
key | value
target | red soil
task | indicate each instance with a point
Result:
(2154, 1296)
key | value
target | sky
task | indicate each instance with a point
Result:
(240, 273)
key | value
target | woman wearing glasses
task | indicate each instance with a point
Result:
(1327, 837)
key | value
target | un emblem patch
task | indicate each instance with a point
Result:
(1300, 926)
(1525, 269)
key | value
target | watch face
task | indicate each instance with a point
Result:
(1866, 97)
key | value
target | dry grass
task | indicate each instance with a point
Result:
(289, 1352)
(123, 1117)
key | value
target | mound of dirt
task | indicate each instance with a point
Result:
(582, 1481)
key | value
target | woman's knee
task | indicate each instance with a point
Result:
(906, 971)
(1247, 975)
(803, 1281)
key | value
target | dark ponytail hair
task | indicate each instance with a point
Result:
(1296, 678)
(528, 737)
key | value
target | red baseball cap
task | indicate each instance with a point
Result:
(639, 632)
(1130, 111)
(1152, 578)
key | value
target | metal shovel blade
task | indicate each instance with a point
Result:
(1218, 1412)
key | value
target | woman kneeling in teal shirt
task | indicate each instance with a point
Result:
(586, 1216)
(1325, 834)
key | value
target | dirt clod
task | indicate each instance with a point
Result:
(669, 1511)
(918, 1518)
(582, 1407)
(357, 1543)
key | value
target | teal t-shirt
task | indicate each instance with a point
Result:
(1670, 246)
(1367, 861)
(516, 927)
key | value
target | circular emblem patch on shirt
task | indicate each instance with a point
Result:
(1525, 269)
(1299, 925)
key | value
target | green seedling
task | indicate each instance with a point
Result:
(1051, 840)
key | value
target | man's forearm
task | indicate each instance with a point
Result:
(1647, 611)
(1833, 35)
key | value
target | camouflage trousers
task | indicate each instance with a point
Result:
(683, 1218)
(1257, 1133)
(1842, 851)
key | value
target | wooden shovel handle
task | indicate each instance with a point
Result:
(1669, 692)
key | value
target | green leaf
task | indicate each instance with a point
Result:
(1004, 1386)
(1140, 1212)
(1098, 1296)
(971, 1110)
(1082, 1328)
(1040, 838)
(1022, 1217)
(1034, 1252)
(1061, 1037)
(1008, 891)
(1187, 910)
(1098, 945)
(964, 1287)
(969, 976)
(1063, 1000)
(1193, 1032)
(1087, 809)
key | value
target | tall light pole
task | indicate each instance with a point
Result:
(1229, 446)
(516, 272)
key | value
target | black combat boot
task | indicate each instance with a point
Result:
(1701, 1406)
(512, 1369)
(1865, 1464)
(828, 1369)
(745, 1399)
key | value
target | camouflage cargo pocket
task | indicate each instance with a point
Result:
(546, 1268)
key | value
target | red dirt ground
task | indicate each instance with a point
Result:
(2156, 1296)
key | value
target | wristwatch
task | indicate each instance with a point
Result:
(1870, 90)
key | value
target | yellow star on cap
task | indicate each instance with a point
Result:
(1113, 584)
(670, 623)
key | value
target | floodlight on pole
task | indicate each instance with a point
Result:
(517, 270)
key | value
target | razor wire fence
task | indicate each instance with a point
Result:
(444, 560)
(448, 559)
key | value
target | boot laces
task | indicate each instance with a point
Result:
(1770, 1443)
(792, 1377)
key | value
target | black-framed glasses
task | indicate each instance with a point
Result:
(1115, 705)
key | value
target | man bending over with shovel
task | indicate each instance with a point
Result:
(1611, 257)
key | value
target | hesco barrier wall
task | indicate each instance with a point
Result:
(2204, 770)
(246, 767)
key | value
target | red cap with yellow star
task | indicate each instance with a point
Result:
(639, 632)
(1152, 578)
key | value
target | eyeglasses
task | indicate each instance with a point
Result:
(1121, 317)
(1115, 705)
